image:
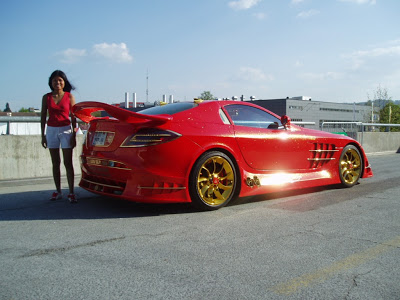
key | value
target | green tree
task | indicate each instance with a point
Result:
(390, 114)
(23, 109)
(381, 97)
(7, 109)
(206, 95)
(380, 100)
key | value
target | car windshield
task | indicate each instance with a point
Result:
(168, 109)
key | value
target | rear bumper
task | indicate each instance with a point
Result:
(134, 185)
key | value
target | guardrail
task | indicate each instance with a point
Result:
(352, 128)
(300, 123)
(14, 125)
(368, 135)
(24, 125)
(360, 124)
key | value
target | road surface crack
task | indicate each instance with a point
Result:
(47, 251)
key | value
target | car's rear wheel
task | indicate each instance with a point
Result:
(350, 166)
(213, 181)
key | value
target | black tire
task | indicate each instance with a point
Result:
(350, 166)
(213, 181)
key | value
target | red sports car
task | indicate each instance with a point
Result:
(208, 153)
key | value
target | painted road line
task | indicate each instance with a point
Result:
(349, 262)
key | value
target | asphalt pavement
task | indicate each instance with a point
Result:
(325, 243)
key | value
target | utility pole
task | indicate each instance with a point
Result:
(147, 86)
(372, 111)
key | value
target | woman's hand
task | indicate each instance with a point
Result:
(73, 140)
(44, 142)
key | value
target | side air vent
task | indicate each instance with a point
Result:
(321, 154)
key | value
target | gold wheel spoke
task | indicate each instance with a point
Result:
(214, 165)
(210, 192)
(202, 179)
(219, 195)
(205, 189)
(204, 168)
(224, 187)
(354, 173)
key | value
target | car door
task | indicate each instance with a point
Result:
(264, 143)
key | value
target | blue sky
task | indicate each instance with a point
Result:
(330, 50)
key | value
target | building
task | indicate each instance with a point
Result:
(303, 109)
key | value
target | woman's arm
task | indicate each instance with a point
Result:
(73, 120)
(43, 118)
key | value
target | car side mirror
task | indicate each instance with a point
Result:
(285, 120)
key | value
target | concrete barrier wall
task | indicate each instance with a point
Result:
(22, 156)
(379, 141)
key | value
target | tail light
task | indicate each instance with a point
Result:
(150, 136)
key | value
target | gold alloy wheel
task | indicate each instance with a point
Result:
(215, 181)
(350, 166)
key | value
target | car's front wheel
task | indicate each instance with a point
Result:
(213, 181)
(350, 166)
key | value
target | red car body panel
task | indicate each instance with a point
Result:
(278, 158)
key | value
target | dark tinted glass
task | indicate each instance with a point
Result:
(168, 109)
(249, 116)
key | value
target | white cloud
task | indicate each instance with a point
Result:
(395, 50)
(70, 55)
(243, 4)
(371, 2)
(114, 52)
(307, 14)
(360, 57)
(252, 74)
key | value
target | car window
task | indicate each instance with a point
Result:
(168, 109)
(224, 118)
(249, 116)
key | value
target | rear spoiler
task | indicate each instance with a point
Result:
(84, 110)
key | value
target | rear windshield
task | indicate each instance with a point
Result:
(168, 109)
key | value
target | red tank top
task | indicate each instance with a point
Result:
(58, 113)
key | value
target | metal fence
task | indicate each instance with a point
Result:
(355, 126)
(20, 125)
(25, 125)
(352, 128)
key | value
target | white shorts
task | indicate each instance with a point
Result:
(56, 136)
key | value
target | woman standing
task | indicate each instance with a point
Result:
(59, 132)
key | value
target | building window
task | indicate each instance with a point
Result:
(338, 109)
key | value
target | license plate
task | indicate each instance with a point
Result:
(99, 138)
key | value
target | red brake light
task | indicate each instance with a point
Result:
(150, 136)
